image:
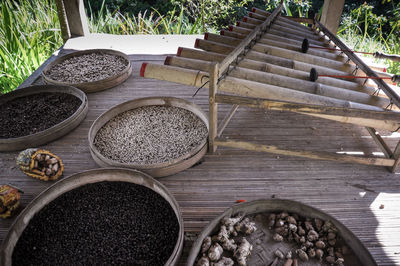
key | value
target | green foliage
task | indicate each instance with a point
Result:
(29, 34)
(366, 31)
(105, 21)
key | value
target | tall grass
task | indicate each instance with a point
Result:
(29, 33)
(147, 22)
(363, 30)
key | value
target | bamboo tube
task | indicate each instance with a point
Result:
(276, 65)
(213, 46)
(246, 25)
(276, 34)
(201, 55)
(309, 36)
(284, 81)
(257, 90)
(283, 23)
(306, 154)
(256, 16)
(306, 58)
(297, 48)
(221, 39)
(265, 14)
(280, 21)
(311, 60)
(252, 20)
(239, 30)
(274, 37)
(299, 38)
(232, 34)
(244, 87)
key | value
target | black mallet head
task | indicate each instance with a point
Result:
(313, 74)
(305, 45)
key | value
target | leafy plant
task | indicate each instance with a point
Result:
(363, 30)
(28, 36)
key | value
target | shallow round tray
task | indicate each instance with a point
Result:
(93, 86)
(80, 179)
(52, 133)
(263, 255)
(158, 169)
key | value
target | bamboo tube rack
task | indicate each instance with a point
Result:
(259, 64)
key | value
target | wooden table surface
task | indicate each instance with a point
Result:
(364, 198)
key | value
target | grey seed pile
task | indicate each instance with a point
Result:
(87, 68)
(150, 134)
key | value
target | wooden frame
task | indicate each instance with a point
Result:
(392, 158)
(73, 20)
(274, 78)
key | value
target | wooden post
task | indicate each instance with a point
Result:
(331, 14)
(72, 18)
(213, 107)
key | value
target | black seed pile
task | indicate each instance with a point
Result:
(34, 113)
(105, 223)
(87, 68)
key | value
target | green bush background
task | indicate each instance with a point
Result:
(29, 30)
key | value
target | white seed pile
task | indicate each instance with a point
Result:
(87, 68)
(150, 134)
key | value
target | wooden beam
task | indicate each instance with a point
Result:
(307, 108)
(380, 142)
(331, 14)
(62, 18)
(72, 18)
(213, 107)
(226, 120)
(305, 154)
(396, 156)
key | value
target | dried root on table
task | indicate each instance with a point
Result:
(9, 200)
(40, 164)
(315, 238)
(221, 249)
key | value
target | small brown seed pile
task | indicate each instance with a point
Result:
(316, 238)
(215, 247)
(151, 134)
(87, 68)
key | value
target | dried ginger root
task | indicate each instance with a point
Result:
(230, 223)
(223, 238)
(223, 262)
(243, 252)
(246, 226)
(206, 244)
(215, 252)
(203, 261)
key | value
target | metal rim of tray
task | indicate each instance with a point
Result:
(51, 133)
(271, 205)
(86, 177)
(158, 169)
(92, 86)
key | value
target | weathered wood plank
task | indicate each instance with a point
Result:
(351, 193)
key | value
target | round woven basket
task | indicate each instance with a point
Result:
(93, 86)
(52, 133)
(158, 169)
(78, 180)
